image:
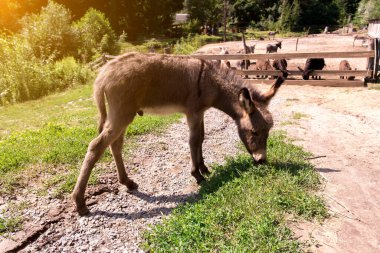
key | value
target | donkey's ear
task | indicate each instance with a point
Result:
(245, 100)
(273, 90)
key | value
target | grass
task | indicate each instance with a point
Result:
(299, 115)
(242, 207)
(374, 86)
(11, 219)
(38, 137)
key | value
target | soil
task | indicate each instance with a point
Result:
(340, 126)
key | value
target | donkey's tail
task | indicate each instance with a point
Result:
(101, 104)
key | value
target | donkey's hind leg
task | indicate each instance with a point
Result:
(116, 149)
(94, 152)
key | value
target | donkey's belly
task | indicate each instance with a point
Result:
(164, 109)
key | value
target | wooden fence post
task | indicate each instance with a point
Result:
(376, 62)
(297, 44)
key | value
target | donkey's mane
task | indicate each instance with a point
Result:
(237, 82)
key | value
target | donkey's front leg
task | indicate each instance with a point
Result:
(196, 126)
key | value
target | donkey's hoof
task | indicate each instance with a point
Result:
(131, 185)
(198, 177)
(83, 211)
(200, 180)
(204, 170)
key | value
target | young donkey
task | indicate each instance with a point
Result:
(135, 83)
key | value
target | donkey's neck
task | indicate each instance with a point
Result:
(227, 101)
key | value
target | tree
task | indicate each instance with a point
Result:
(206, 11)
(11, 11)
(347, 9)
(131, 16)
(367, 10)
(290, 15)
(49, 33)
(96, 35)
(246, 12)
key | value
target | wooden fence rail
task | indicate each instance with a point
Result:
(358, 54)
(101, 61)
(313, 73)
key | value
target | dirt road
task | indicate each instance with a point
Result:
(342, 126)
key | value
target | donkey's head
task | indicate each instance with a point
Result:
(256, 121)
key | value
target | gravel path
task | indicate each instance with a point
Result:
(161, 166)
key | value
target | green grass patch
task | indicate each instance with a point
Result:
(55, 132)
(242, 207)
(10, 217)
(288, 123)
(299, 115)
(10, 224)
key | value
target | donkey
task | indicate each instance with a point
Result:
(345, 65)
(262, 64)
(311, 65)
(166, 83)
(225, 63)
(363, 38)
(272, 48)
(272, 34)
(280, 64)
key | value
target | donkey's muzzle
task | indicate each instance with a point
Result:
(260, 156)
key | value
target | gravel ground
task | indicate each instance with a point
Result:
(160, 165)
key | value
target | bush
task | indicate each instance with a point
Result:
(96, 35)
(50, 34)
(192, 27)
(368, 9)
(25, 77)
(69, 73)
(190, 44)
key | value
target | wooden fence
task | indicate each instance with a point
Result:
(101, 61)
(332, 82)
(372, 74)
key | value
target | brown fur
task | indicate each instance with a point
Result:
(137, 82)
(272, 48)
(345, 65)
(263, 65)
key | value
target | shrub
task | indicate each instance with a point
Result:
(25, 77)
(69, 73)
(190, 44)
(96, 35)
(367, 10)
(192, 27)
(49, 33)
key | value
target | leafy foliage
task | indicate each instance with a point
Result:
(11, 11)
(96, 35)
(190, 44)
(49, 33)
(367, 10)
(25, 76)
(205, 11)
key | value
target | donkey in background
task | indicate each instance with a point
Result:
(272, 48)
(155, 83)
